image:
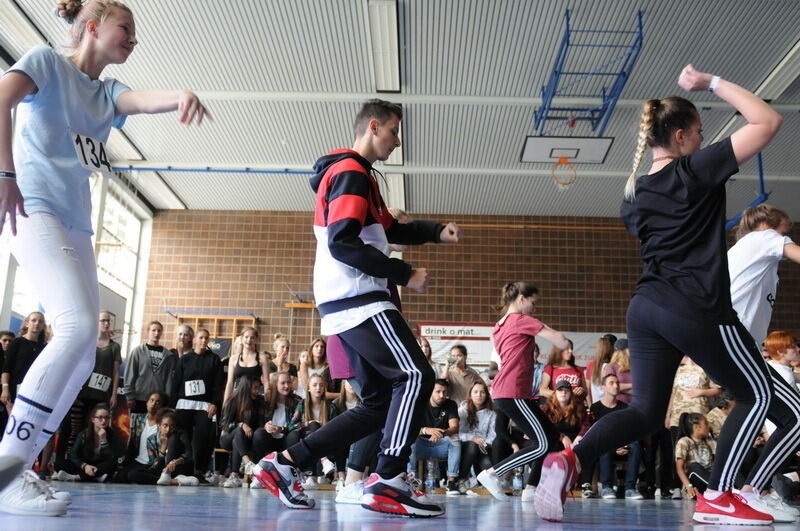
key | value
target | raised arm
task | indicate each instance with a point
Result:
(160, 101)
(763, 122)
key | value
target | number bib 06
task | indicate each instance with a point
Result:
(91, 153)
(99, 382)
(195, 388)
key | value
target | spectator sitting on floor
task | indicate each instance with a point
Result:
(169, 455)
(242, 414)
(96, 451)
(561, 366)
(460, 378)
(142, 427)
(425, 345)
(633, 451)
(438, 437)
(476, 429)
(311, 413)
(694, 453)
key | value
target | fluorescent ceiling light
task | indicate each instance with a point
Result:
(384, 37)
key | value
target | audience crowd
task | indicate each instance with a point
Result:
(191, 418)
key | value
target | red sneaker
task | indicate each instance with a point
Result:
(559, 472)
(730, 509)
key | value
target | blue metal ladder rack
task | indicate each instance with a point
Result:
(562, 81)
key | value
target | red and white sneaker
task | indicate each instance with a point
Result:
(728, 509)
(283, 482)
(397, 496)
(559, 472)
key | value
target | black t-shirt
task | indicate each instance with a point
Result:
(439, 417)
(679, 217)
(599, 410)
(19, 358)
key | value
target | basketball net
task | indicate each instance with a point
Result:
(565, 179)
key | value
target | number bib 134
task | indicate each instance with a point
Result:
(91, 153)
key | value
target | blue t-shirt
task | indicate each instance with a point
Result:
(67, 102)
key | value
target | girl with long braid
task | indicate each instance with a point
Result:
(682, 303)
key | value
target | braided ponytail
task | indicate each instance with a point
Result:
(645, 133)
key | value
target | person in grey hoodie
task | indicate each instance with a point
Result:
(150, 369)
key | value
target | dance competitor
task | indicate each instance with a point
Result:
(682, 303)
(512, 389)
(353, 229)
(753, 267)
(64, 117)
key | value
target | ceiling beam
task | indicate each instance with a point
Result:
(144, 165)
(437, 99)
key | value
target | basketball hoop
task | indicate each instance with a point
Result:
(564, 181)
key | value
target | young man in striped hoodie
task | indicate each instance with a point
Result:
(352, 272)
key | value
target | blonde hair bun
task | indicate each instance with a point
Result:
(68, 9)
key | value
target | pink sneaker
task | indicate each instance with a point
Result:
(559, 472)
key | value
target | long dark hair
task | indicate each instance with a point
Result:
(472, 409)
(240, 406)
(91, 436)
(603, 352)
(687, 422)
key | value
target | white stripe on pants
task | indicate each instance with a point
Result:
(60, 264)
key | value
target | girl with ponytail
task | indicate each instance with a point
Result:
(682, 304)
(514, 338)
(65, 113)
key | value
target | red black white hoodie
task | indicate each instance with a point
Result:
(353, 228)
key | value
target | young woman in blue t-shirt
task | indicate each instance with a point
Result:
(65, 113)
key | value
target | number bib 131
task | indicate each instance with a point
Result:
(195, 388)
(91, 153)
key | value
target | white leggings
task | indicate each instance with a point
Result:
(60, 264)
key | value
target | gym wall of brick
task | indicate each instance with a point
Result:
(585, 269)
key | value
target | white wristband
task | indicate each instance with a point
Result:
(713, 85)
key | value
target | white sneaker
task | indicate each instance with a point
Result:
(63, 475)
(164, 479)
(327, 467)
(323, 480)
(10, 468)
(25, 496)
(233, 482)
(757, 502)
(248, 468)
(527, 494)
(60, 495)
(310, 483)
(774, 499)
(187, 481)
(339, 484)
(351, 494)
(254, 484)
(676, 494)
(492, 484)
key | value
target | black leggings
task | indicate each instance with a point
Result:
(658, 339)
(201, 432)
(264, 443)
(396, 383)
(534, 423)
(473, 458)
(239, 445)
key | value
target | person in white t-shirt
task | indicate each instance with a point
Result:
(64, 115)
(753, 269)
(753, 265)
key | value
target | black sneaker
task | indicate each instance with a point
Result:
(396, 496)
(452, 488)
(283, 482)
